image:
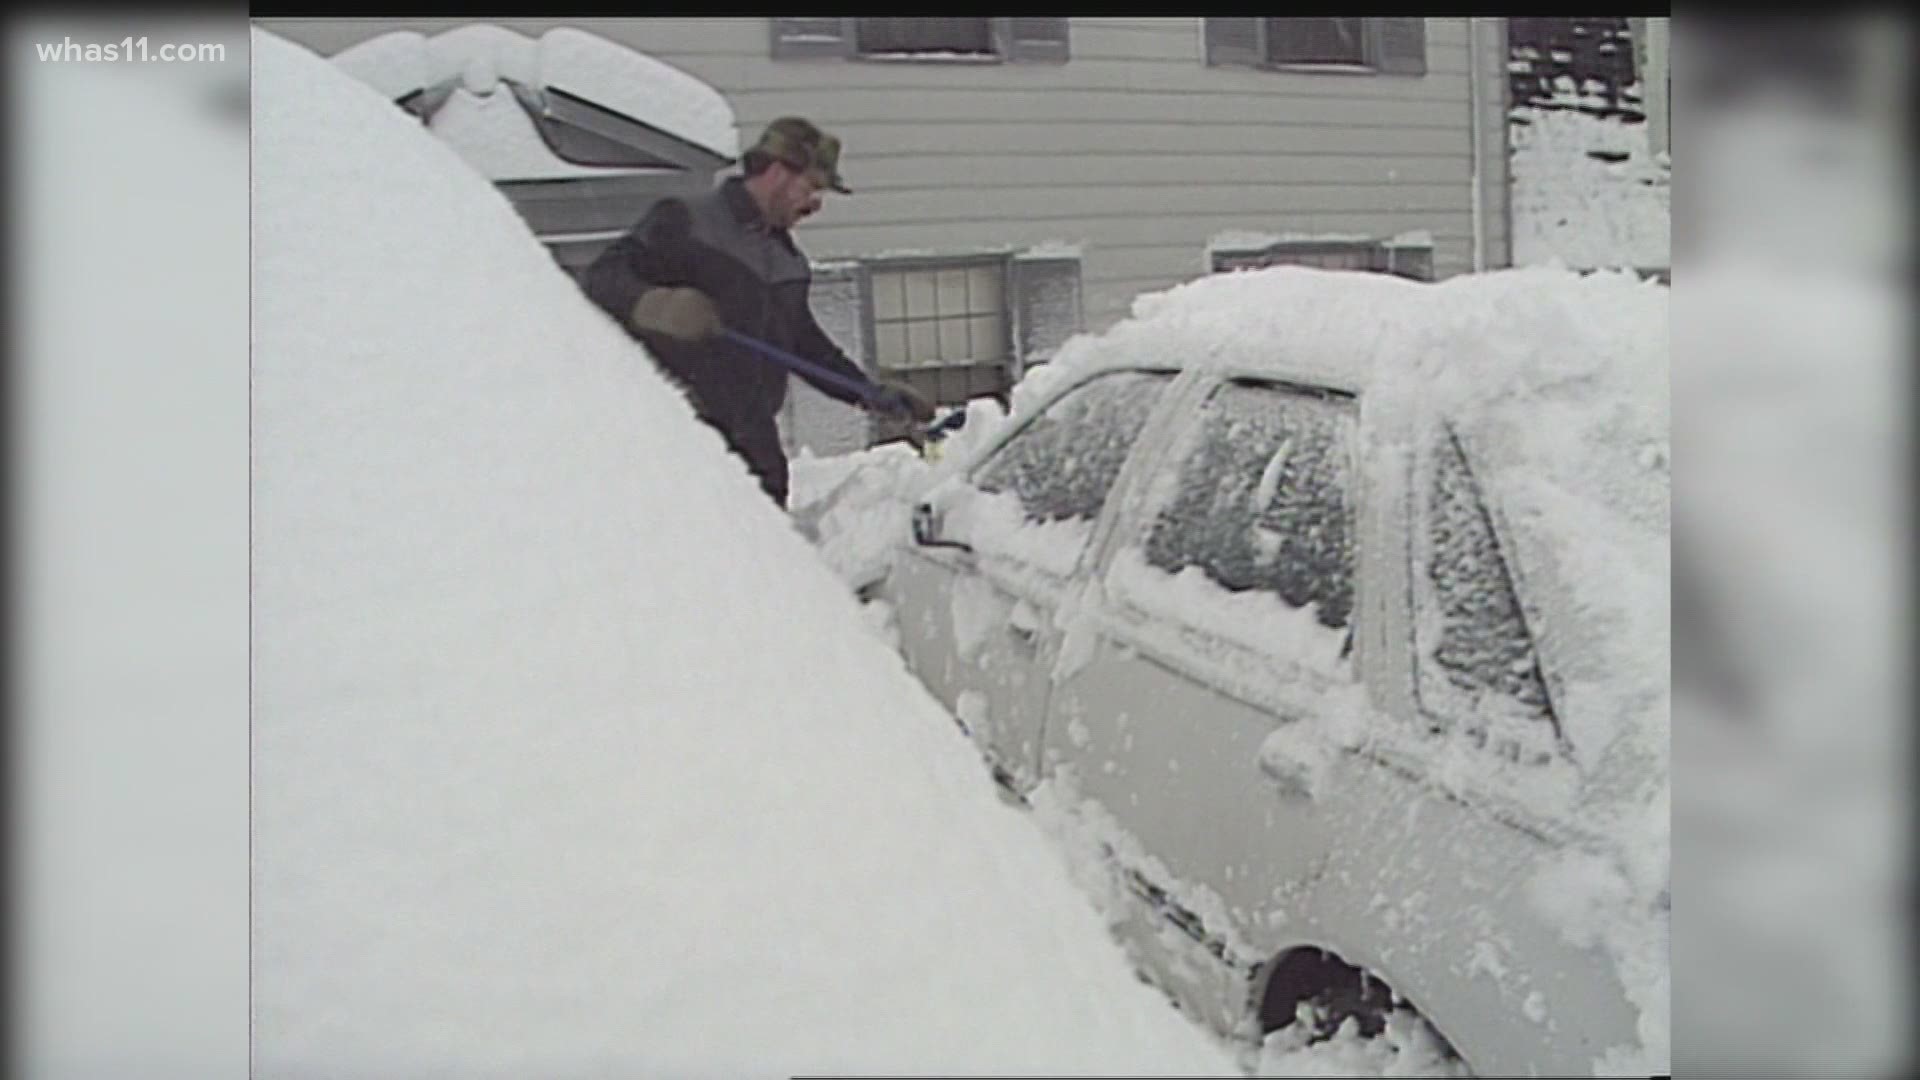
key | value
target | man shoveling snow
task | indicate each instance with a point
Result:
(717, 291)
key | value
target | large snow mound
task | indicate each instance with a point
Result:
(569, 756)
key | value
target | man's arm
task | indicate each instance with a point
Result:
(891, 398)
(654, 253)
(816, 346)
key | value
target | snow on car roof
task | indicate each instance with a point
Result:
(1510, 328)
(569, 757)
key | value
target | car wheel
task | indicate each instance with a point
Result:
(1319, 988)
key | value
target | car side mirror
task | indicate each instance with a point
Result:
(926, 532)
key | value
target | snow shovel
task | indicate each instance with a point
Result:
(864, 391)
(922, 439)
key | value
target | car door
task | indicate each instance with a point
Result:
(1226, 630)
(995, 552)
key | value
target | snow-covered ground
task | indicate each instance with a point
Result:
(570, 757)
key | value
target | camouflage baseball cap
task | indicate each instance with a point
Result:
(800, 144)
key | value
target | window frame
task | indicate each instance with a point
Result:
(1093, 557)
(884, 429)
(1019, 428)
(998, 45)
(1030, 294)
(1191, 436)
(837, 38)
(1381, 256)
(1175, 447)
(1000, 262)
(1368, 63)
(1376, 59)
(1435, 718)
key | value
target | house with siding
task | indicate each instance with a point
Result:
(1021, 179)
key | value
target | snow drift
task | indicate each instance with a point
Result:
(570, 757)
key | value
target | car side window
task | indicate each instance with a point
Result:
(1265, 499)
(1064, 463)
(1478, 670)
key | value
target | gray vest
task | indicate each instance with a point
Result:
(770, 257)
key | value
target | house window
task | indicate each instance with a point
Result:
(954, 328)
(942, 327)
(1396, 46)
(1025, 38)
(1373, 255)
(1317, 41)
(915, 35)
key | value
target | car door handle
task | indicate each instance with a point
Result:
(1289, 778)
(1023, 625)
(1026, 638)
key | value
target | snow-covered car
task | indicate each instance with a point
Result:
(569, 758)
(1331, 610)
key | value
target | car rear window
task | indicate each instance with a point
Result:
(1478, 670)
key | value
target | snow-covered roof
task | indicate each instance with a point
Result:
(480, 56)
(497, 137)
(544, 783)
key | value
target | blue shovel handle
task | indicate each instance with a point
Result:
(866, 392)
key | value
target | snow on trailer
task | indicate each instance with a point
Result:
(544, 780)
(582, 134)
(470, 64)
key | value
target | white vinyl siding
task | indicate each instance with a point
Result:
(1132, 148)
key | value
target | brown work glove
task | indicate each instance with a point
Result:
(677, 312)
(899, 399)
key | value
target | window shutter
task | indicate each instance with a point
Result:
(1045, 306)
(1033, 38)
(1400, 45)
(1406, 262)
(810, 419)
(1233, 41)
(812, 37)
(838, 300)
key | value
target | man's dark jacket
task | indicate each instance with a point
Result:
(719, 243)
